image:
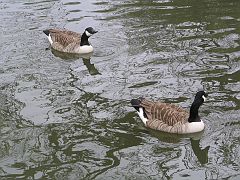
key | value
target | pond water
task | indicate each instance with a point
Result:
(65, 117)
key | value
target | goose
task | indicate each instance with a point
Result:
(69, 41)
(170, 118)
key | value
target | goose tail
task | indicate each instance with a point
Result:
(136, 103)
(46, 32)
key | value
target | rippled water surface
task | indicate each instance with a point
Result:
(65, 117)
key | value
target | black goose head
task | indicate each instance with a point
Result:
(200, 97)
(90, 31)
(87, 33)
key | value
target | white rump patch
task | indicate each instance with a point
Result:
(50, 39)
(88, 33)
(141, 115)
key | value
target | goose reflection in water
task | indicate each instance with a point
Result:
(70, 57)
(201, 154)
(91, 68)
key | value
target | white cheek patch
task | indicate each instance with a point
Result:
(204, 98)
(88, 33)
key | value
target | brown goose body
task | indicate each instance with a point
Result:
(165, 117)
(65, 41)
(69, 41)
(169, 117)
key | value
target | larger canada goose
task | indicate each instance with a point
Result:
(69, 41)
(170, 118)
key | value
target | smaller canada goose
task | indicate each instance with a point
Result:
(170, 118)
(69, 41)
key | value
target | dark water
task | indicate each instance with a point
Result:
(70, 118)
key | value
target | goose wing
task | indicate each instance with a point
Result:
(164, 113)
(64, 38)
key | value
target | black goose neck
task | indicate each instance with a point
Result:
(194, 117)
(84, 40)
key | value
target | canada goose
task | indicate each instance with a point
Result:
(69, 41)
(170, 118)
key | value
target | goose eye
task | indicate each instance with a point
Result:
(204, 98)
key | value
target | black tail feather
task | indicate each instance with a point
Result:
(46, 32)
(136, 103)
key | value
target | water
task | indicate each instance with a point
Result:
(64, 117)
